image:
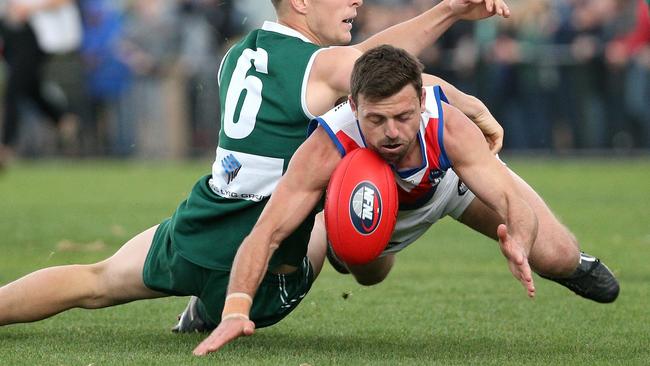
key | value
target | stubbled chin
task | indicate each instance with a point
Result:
(392, 158)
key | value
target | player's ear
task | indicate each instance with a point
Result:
(300, 5)
(352, 105)
(423, 99)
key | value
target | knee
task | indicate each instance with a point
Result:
(370, 278)
(557, 260)
(374, 272)
(366, 280)
(97, 294)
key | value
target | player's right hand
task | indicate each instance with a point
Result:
(227, 330)
(517, 259)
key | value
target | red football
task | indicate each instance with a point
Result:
(361, 207)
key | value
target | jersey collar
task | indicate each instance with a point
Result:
(283, 29)
(407, 173)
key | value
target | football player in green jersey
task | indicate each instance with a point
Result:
(271, 84)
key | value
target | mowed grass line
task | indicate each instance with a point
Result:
(450, 299)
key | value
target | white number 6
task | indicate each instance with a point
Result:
(253, 86)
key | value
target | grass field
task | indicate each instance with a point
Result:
(449, 301)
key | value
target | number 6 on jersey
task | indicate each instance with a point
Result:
(250, 84)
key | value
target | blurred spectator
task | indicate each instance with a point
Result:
(519, 56)
(107, 78)
(31, 31)
(150, 48)
(585, 81)
(252, 14)
(633, 50)
(203, 31)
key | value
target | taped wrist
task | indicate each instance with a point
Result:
(237, 305)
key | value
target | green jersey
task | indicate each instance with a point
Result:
(264, 118)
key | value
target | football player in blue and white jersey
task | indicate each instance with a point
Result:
(417, 133)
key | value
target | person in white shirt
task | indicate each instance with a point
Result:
(31, 31)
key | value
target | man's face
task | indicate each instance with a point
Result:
(331, 20)
(390, 125)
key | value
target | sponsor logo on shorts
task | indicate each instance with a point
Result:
(365, 208)
(462, 188)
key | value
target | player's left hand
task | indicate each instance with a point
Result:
(227, 330)
(478, 9)
(491, 129)
(517, 259)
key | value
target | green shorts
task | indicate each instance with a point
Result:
(168, 272)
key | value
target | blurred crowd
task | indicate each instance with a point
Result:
(139, 81)
(138, 77)
(559, 74)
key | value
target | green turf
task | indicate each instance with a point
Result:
(450, 299)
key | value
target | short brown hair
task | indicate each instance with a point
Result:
(383, 71)
(276, 3)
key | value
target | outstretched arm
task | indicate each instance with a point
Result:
(330, 75)
(489, 179)
(473, 108)
(297, 193)
(423, 30)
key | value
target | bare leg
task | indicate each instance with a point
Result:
(50, 291)
(317, 246)
(374, 272)
(366, 274)
(555, 251)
